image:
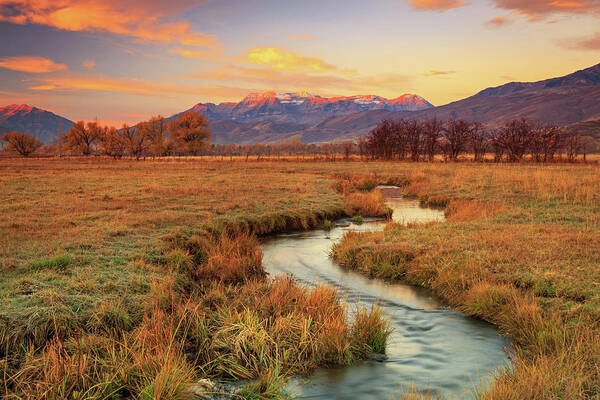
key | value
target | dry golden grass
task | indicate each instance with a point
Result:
(521, 249)
(133, 279)
(95, 250)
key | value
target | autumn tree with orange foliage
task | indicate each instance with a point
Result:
(190, 133)
(82, 138)
(111, 143)
(155, 132)
(21, 143)
(135, 140)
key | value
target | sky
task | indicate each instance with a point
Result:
(122, 61)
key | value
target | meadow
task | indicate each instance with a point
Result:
(139, 278)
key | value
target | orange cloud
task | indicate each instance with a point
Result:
(567, 4)
(43, 87)
(302, 37)
(436, 5)
(88, 64)
(281, 80)
(200, 54)
(275, 68)
(134, 86)
(269, 78)
(286, 60)
(35, 65)
(144, 20)
(497, 22)
(536, 10)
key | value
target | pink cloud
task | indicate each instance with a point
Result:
(535, 10)
(498, 22)
(436, 5)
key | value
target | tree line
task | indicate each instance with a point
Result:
(187, 134)
(410, 139)
(404, 139)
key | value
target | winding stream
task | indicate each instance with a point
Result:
(432, 347)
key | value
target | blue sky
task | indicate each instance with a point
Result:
(123, 61)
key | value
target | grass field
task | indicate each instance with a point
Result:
(521, 249)
(124, 278)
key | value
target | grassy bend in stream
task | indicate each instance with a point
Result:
(519, 249)
(431, 346)
(195, 304)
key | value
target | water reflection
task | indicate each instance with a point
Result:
(432, 346)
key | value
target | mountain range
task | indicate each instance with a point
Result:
(304, 108)
(273, 117)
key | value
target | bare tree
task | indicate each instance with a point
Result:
(573, 144)
(347, 150)
(432, 130)
(455, 136)
(478, 141)
(382, 140)
(515, 138)
(414, 137)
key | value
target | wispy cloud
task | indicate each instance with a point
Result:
(153, 21)
(270, 78)
(590, 43)
(32, 64)
(134, 86)
(265, 78)
(498, 22)
(198, 54)
(282, 59)
(88, 64)
(438, 73)
(437, 5)
(302, 37)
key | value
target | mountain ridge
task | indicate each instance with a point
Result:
(571, 99)
(43, 124)
(304, 108)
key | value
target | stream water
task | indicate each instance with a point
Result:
(431, 347)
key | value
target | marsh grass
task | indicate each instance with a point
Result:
(521, 249)
(114, 280)
(174, 292)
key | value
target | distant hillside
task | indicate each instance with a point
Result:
(333, 129)
(588, 128)
(562, 101)
(32, 120)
